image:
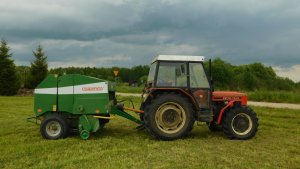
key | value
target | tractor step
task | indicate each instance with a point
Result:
(205, 115)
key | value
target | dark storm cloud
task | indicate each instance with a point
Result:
(127, 33)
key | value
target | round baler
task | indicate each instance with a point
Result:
(75, 102)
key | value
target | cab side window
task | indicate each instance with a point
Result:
(172, 75)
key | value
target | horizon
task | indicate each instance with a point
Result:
(283, 71)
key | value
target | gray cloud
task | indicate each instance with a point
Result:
(89, 32)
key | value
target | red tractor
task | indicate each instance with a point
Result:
(178, 93)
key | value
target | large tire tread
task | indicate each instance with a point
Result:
(228, 116)
(55, 117)
(154, 104)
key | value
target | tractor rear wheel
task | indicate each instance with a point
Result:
(142, 116)
(169, 117)
(54, 126)
(240, 123)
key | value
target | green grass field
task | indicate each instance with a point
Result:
(275, 96)
(259, 95)
(125, 88)
(119, 145)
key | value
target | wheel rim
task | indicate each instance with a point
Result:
(170, 117)
(241, 124)
(53, 128)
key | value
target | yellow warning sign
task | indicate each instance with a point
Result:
(116, 72)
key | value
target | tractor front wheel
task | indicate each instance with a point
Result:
(54, 126)
(240, 123)
(169, 116)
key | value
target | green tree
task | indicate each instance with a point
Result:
(22, 72)
(222, 73)
(9, 83)
(38, 69)
(249, 80)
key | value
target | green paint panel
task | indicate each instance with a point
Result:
(66, 101)
(65, 80)
(45, 102)
(89, 103)
(49, 82)
(81, 79)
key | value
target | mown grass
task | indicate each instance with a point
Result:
(120, 145)
(259, 95)
(275, 96)
(125, 88)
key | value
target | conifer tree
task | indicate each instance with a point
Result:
(39, 68)
(9, 83)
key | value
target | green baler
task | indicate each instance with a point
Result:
(77, 102)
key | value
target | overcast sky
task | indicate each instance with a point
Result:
(128, 33)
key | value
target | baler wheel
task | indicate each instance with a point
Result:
(169, 117)
(54, 126)
(240, 123)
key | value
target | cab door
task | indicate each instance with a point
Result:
(199, 85)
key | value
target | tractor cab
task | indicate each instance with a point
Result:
(184, 74)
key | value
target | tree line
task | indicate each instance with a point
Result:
(136, 74)
(255, 76)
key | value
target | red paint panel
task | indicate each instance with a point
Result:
(230, 104)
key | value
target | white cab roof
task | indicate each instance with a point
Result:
(179, 58)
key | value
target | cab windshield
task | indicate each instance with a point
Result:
(198, 77)
(151, 73)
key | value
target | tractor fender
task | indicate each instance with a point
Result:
(229, 104)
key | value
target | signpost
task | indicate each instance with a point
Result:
(116, 71)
